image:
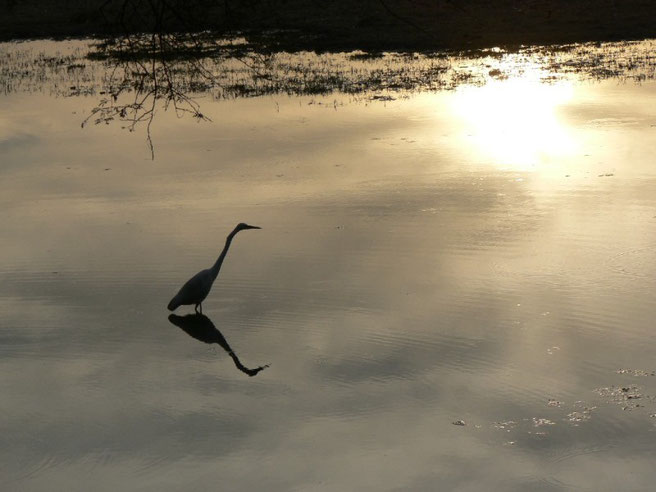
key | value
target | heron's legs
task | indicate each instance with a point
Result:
(197, 306)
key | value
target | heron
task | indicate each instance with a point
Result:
(195, 290)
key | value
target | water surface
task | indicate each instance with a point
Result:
(480, 255)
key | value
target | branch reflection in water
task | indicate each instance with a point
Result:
(147, 70)
(201, 328)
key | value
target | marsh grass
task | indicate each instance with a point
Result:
(232, 68)
(131, 78)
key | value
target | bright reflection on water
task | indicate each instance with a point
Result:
(482, 255)
(515, 122)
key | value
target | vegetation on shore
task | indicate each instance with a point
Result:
(336, 25)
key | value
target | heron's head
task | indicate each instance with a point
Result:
(241, 226)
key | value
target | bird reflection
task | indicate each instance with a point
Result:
(201, 328)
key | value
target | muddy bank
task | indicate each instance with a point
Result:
(341, 25)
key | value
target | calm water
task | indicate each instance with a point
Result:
(483, 254)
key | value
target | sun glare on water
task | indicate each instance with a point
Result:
(514, 122)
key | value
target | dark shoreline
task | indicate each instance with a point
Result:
(370, 25)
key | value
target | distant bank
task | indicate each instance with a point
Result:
(343, 24)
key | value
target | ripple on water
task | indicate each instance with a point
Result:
(635, 263)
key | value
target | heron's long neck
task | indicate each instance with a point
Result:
(219, 261)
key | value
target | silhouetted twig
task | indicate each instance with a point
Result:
(149, 71)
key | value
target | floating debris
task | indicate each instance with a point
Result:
(459, 422)
(382, 98)
(542, 422)
(510, 424)
(636, 372)
(495, 73)
(554, 403)
(551, 350)
(582, 415)
(623, 395)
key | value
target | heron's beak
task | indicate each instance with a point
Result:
(252, 227)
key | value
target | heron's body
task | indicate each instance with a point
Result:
(196, 289)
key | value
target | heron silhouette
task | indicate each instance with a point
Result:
(195, 290)
(201, 328)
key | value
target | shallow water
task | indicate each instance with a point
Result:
(483, 254)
